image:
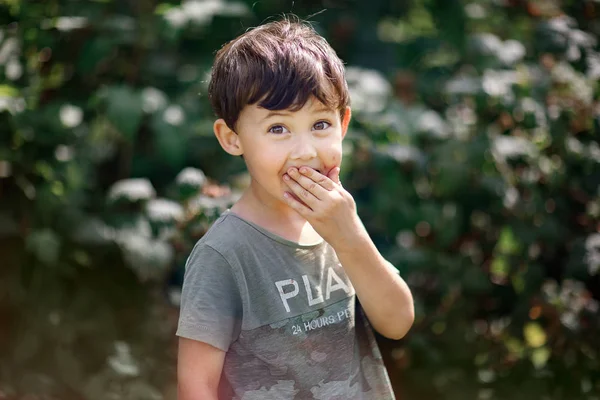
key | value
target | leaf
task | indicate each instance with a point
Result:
(535, 336)
(499, 267)
(539, 357)
(514, 346)
(93, 53)
(44, 245)
(507, 244)
(8, 91)
(124, 109)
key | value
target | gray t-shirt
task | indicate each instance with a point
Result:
(286, 315)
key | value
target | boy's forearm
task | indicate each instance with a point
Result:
(196, 393)
(383, 294)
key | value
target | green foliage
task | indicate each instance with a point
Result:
(476, 171)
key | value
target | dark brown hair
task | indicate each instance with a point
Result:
(278, 66)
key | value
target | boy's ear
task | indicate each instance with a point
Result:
(228, 139)
(346, 120)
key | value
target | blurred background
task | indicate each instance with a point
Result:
(473, 155)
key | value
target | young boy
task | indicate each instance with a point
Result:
(280, 295)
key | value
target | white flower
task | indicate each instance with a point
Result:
(511, 196)
(13, 69)
(153, 99)
(463, 85)
(63, 153)
(594, 151)
(70, 115)
(562, 24)
(402, 153)
(191, 176)
(5, 169)
(511, 52)
(234, 10)
(498, 83)
(593, 66)
(164, 210)
(201, 12)
(487, 43)
(592, 253)
(174, 115)
(140, 228)
(511, 146)
(530, 106)
(132, 189)
(564, 73)
(486, 375)
(405, 239)
(574, 145)
(9, 48)
(582, 38)
(176, 17)
(122, 362)
(148, 258)
(12, 105)
(174, 295)
(206, 203)
(70, 23)
(573, 53)
(369, 89)
(569, 319)
(475, 11)
(432, 123)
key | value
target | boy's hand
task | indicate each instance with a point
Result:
(326, 205)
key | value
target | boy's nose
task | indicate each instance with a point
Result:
(303, 149)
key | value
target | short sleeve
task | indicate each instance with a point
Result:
(211, 309)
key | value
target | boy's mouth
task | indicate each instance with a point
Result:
(319, 170)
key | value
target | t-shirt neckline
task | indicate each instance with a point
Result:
(274, 236)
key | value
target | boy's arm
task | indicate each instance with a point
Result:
(199, 367)
(383, 294)
(331, 211)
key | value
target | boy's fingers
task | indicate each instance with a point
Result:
(334, 175)
(296, 205)
(309, 184)
(303, 194)
(317, 177)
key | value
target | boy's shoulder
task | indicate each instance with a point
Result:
(225, 232)
(230, 235)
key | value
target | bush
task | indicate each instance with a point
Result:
(473, 157)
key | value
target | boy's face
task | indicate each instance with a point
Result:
(273, 141)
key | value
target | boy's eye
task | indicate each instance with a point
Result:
(321, 125)
(277, 129)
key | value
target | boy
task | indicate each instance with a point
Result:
(269, 305)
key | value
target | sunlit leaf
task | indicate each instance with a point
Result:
(534, 334)
(508, 243)
(539, 357)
